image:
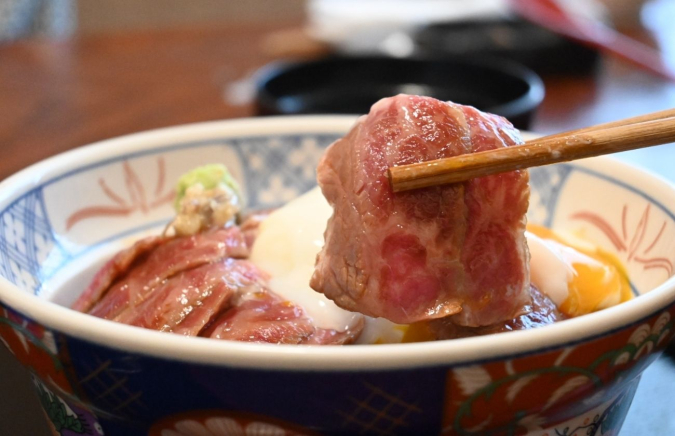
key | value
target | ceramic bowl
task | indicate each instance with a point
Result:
(61, 218)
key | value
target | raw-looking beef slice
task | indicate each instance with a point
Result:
(452, 250)
(241, 277)
(540, 312)
(334, 337)
(262, 316)
(167, 259)
(189, 300)
(114, 268)
(495, 254)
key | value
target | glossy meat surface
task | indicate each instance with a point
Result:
(150, 268)
(454, 250)
(202, 285)
(114, 268)
(539, 312)
(188, 301)
(261, 316)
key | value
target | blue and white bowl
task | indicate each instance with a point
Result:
(61, 218)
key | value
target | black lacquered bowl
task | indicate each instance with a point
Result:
(350, 85)
(520, 41)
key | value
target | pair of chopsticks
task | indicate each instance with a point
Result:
(629, 134)
(594, 33)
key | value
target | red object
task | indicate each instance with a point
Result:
(549, 14)
(432, 252)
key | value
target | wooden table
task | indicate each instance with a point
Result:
(56, 96)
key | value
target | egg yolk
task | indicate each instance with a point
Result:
(418, 332)
(597, 279)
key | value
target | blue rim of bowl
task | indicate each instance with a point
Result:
(458, 352)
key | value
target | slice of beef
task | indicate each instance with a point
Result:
(540, 312)
(188, 301)
(262, 316)
(452, 250)
(334, 337)
(200, 285)
(114, 268)
(165, 259)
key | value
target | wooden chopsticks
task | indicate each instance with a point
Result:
(629, 134)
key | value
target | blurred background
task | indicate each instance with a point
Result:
(82, 16)
(74, 72)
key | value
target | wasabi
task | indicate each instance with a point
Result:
(206, 197)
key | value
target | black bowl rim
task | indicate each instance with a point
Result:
(529, 101)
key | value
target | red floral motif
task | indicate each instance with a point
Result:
(539, 391)
(137, 198)
(631, 244)
(34, 347)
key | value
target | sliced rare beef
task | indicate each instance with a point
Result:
(540, 312)
(455, 250)
(118, 266)
(189, 300)
(262, 316)
(166, 258)
(201, 285)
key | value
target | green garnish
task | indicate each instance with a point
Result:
(210, 177)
